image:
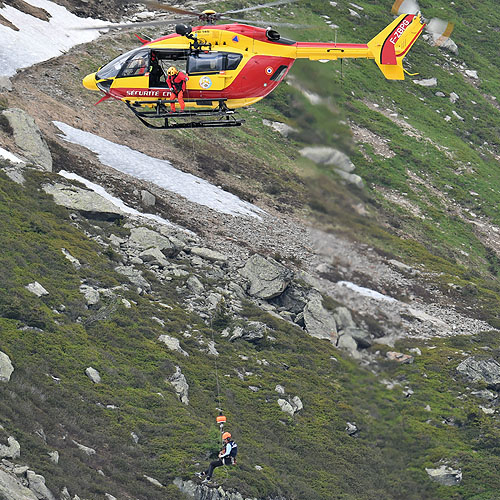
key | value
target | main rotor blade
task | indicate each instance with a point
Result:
(262, 6)
(265, 23)
(134, 25)
(162, 6)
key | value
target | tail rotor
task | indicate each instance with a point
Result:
(438, 30)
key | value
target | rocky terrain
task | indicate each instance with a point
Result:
(369, 307)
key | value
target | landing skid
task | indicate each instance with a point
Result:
(160, 117)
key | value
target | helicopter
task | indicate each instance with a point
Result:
(229, 66)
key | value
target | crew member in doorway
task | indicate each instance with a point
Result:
(176, 80)
(227, 456)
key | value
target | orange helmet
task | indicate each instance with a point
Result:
(226, 435)
(172, 70)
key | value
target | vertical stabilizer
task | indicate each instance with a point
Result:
(391, 45)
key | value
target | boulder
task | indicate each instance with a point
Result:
(351, 428)
(147, 199)
(11, 450)
(343, 318)
(195, 285)
(6, 368)
(37, 289)
(347, 343)
(279, 389)
(65, 494)
(11, 488)
(36, 484)
(29, 139)
(328, 156)
(481, 370)
(293, 300)
(87, 450)
(471, 73)
(86, 201)
(93, 375)
(399, 357)
(282, 128)
(154, 256)
(253, 331)
(362, 337)
(202, 492)
(354, 179)
(90, 294)
(445, 475)
(211, 348)
(134, 276)
(207, 254)
(54, 456)
(172, 343)
(286, 407)
(266, 277)
(178, 380)
(154, 481)
(427, 82)
(319, 322)
(73, 260)
(143, 238)
(5, 83)
(297, 403)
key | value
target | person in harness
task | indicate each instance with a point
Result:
(176, 81)
(227, 456)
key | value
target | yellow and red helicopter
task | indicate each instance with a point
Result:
(230, 66)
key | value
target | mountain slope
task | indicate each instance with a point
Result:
(429, 201)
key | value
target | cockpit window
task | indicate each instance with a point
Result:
(111, 69)
(212, 62)
(137, 65)
(132, 63)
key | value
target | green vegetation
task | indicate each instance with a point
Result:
(52, 339)
(446, 172)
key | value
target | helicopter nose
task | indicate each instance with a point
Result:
(89, 82)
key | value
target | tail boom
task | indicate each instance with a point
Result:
(388, 48)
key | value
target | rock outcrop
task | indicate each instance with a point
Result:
(172, 343)
(481, 370)
(266, 277)
(11, 450)
(29, 138)
(89, 203)
(179, 382)
(6, 368)
(201, 492)
(93, 375)
(319, 322)
(445, 475)
(36, 289)
(12, 488)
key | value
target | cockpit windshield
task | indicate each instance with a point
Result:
(134, 63)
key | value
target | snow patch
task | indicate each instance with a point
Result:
(7, 155)
(160, 172)
(39, 40)
(367, 292)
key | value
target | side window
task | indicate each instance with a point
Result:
(137, 65)
(206, 63)
(233, 60)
